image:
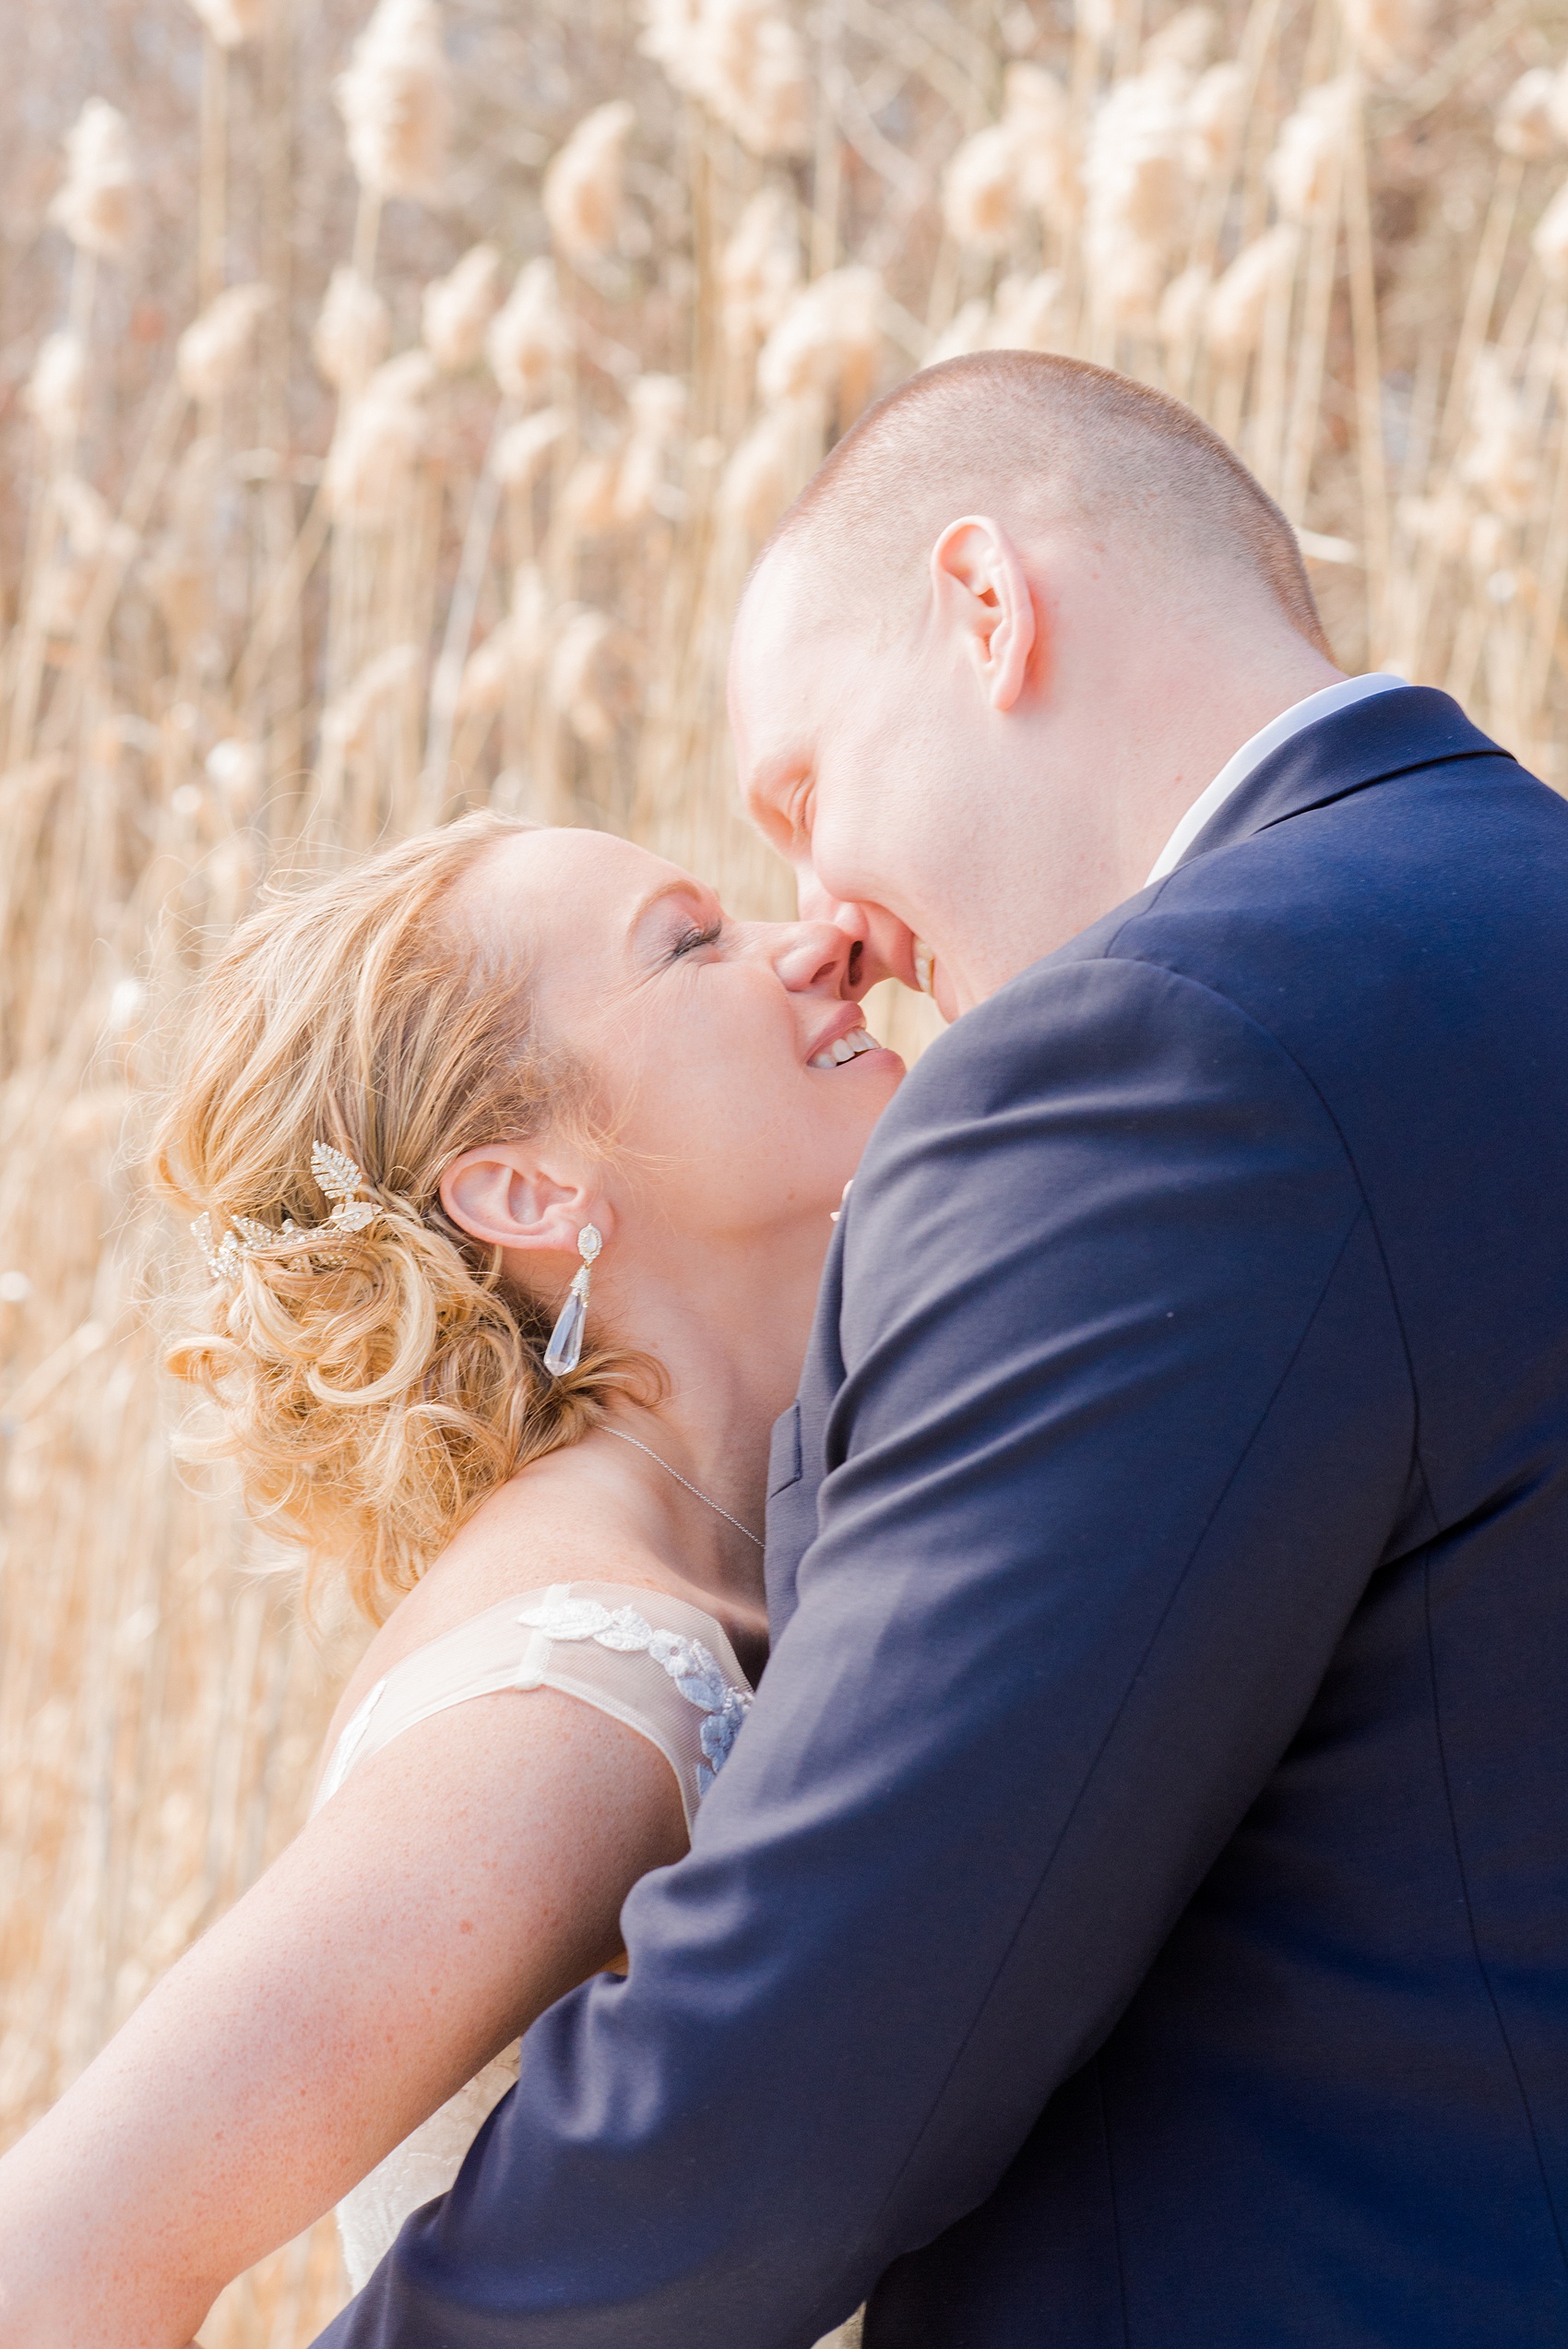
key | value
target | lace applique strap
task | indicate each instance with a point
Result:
(661, 1666)
(695, 1671)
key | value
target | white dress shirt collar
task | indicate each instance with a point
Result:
(1251, 754)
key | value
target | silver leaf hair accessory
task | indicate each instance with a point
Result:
(338, 1178)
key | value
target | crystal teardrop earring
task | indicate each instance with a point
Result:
(565, 1351)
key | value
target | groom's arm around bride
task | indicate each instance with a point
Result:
(1136, 1911)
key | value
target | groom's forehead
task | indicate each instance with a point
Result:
(773, 608)
(780, 703)
(787, 651)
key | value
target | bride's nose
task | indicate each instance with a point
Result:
(816, 958)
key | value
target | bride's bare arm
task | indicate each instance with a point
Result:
(459, 1881)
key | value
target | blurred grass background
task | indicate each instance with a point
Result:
(389, 408)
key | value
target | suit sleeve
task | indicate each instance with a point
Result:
(1124, 1426)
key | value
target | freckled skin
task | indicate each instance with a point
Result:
(474, 1870)
(281, 2058)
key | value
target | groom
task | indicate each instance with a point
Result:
(1136, 1913)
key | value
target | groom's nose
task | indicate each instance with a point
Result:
(820, 958)
(879, 943)
(819, 906)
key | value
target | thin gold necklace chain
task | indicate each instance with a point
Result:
(621, 1437)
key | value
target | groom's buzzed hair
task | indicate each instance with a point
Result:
(1052, 433)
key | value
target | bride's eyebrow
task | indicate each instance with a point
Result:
(703, 905)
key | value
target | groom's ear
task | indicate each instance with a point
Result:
(506, 1195)
(982, 590)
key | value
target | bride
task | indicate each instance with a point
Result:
(513, 1162)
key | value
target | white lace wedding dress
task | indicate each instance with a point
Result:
(664, 1669)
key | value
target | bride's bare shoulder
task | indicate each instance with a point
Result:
(533, 1531)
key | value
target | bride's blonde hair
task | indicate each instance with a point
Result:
(374, 1397)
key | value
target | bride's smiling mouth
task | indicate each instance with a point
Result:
(837, 1051)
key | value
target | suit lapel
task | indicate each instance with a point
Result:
(1389, 734)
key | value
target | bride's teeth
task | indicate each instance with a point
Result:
(923, 959)
(850, 1047)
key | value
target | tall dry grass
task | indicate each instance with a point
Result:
(389, 411)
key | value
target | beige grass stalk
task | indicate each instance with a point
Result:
(1481, 299)
(213, 223)
(124, 545)
(157, 1726)
(1305, 417)
(1552, 578)
(1218, 195)
(447, 677)
(1369, 379)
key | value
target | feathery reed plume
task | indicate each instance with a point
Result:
(234, 22)
(1024, 315)
(1500, 458)
(1138, 194)
(530, 339)
(1549, 242)
(1303, 168)
(1215, 119)
(94, 205)
(56, 388)
(581, 685)
(1183, 306)
(90, 532)
(759, 270)
(979, 191)
(1526, 126)
(1023, 163)
(670, 29)
(1557, 104)
(523, 446)
(587, 494)
(179, 573)
(766, 471)
(1235, 309)
(658, 406)
(215, 347)
(514, 651)
(583, 188)
(379, 441)
(352, 331)
(828, 340)
(753, 75)
(456, 310)
(1038, 114)
(1388, 33)
(743, 59)
(396, 100)
(1186, 41)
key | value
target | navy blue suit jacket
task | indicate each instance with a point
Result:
(1136, 1914)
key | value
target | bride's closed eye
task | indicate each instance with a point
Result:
(691, 941)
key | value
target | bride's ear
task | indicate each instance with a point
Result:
(504, 1194)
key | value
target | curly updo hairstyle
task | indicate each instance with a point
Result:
(374, 1394)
